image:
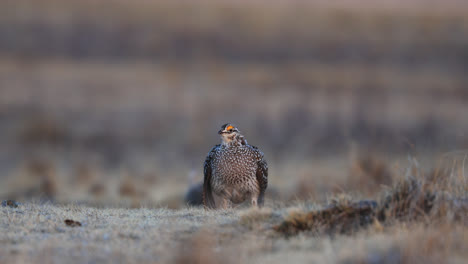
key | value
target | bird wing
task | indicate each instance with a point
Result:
(208, 200)
(261, 175)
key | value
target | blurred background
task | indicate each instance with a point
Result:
(112, 102)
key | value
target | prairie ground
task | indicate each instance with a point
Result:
(415, 221)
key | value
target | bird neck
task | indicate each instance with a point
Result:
(236, 140)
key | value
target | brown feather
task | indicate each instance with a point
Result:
(208, 200)
(262, 178)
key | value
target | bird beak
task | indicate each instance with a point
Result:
(221, 131)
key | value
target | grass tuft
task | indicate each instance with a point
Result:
(423, 198)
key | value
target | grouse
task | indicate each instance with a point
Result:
(234, 171)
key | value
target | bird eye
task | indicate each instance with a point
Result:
(230, 130)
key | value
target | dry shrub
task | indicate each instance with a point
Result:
(457, 209)
(409, 199)
(342, 217)
(368, 173)
(425, 197)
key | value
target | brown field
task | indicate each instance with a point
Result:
(108, 108)
(420, 219)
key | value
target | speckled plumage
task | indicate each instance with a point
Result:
(234, 172)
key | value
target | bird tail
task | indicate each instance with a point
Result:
(208, 200)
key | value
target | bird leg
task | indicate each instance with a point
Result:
(254, 200)
(226, 203)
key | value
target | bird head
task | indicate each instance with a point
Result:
(229, 133)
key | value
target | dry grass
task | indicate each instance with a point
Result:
(339, 217)
(418, 220)
(369, 173)
(423, 198)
